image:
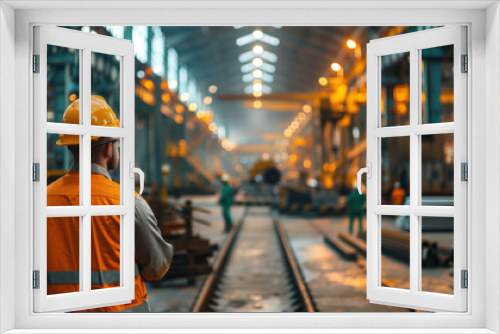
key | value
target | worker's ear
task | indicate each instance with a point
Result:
(107, 150)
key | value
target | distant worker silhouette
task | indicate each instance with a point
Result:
(398, 194)
(153, 256)
(356, 204)
(226, 201)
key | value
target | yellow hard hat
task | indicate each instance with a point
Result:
(101, 115)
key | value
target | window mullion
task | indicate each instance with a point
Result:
(85, 165)
(414, 171)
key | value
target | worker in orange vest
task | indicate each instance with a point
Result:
(398, 194)
(153, 255)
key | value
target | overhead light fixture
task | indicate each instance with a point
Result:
(212, 89)
(257, 94)
(323, 81)
(257, 62)
(207, 100)
(257, 104)
(184, 97)
(257, 87)
(257, 49)
(192, 107)
(257, 73)
(306, 108)
(257, 34)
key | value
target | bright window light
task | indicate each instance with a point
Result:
(250, 38)
(183, 79)
(265, 55)
(265, 67)
(269, 56)
(268, 68)
(157, 52)
(265, 77)
(247, 68)
(257, 73)
(268, 39)
(172, 69)
(192, 90)
(139, 38)
(116, 31)
(244, 40)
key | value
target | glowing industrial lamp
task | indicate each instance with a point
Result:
(257, 34)
(258, 49)
(351, 44)
(257, 62)
(336, 67)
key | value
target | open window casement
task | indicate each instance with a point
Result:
(80, 52)
(408, 130)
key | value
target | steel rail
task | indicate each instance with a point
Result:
(208, 288)
(294, 267)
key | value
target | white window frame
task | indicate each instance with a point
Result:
(413, 43)
(482, 19)
(85, 43)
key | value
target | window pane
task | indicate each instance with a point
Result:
(105, 169)
(105, 255)
(395, 270)
(63, 83)
(395, 77)
(105, 84)
(63, 255)
(437, 169)
(437, 254)
(63, 178)
(395, 170)
(437, 84)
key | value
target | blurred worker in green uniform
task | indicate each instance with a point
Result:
(356, 204)
(226, 201)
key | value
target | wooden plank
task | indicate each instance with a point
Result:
(357, 243)
(347, 251)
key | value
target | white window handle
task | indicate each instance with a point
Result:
(135, 170)
(368, 171)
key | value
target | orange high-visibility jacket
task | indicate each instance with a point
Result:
(63, 241)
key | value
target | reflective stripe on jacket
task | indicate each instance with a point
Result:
(63, 241)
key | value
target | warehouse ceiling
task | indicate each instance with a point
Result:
(294, 59)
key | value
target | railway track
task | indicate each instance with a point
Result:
(256, 270)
